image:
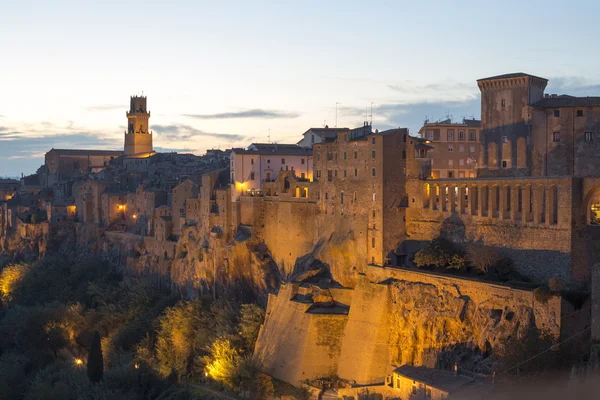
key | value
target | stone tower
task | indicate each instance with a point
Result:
(138, 138)
(506, 121)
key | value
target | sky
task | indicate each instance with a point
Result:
(226, 74)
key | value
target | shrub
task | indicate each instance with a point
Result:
(264, 386)
(223, 362)
(440, 253)
(11, 279)
(252, 317)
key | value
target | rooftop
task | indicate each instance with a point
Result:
(511, 75)
(553, 101)
(440, 379)
(85, 152)
(275, 149)
(327, 132)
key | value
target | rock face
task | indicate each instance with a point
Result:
(395, 317)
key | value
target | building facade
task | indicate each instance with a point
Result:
(456, 147)
(138, 137)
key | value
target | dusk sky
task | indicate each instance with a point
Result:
(222, 74)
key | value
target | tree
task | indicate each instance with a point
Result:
(440, 253)
(223, 362)
(95, 364)
(252, 317)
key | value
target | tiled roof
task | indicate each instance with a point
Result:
(444, 380)
(512, 75)
(86, 152)
(472, 123)
(276, 149)
(567, 101)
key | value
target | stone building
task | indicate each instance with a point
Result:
(183, 192)
(138, 137)
(262, 162)
(65, 164)
(361, 187)
(456, 147)
(8, 188)
(319, 135)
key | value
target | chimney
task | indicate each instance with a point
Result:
(455, 369)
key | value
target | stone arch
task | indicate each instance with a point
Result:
(297, 192)
(591, 203)
(506, 161)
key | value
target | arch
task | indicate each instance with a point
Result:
(305, 191)
(507, 202)
(591, 212)
(297, 192)
(495, 201)
(506, 161)
(553, 205)
(485, 200)
(521, 152)
(426, 195)
(474, 199)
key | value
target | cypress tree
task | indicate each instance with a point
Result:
(95, 364)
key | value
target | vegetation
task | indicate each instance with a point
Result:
(86, 331)
(440, 253)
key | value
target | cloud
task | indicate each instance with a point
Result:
(413, 115)
(254, 113)
(178, 132)
(573, 85)
(104, 107)
(410, 92)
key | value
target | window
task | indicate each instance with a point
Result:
(450, 135)
(302, 161)
(404, 154)
(372, 140)
(429, 135)
(450, 148)
(588, 137)
(556, 137)
(472, 136)
(373, 242)
(232, 176)
(268, 161)
(318, 157)
(557, 113)
(373, 154)
(344, 173)
(252, 161)
(251, 176)
(283, 160)
(312, 138)
(342, 198)
(355, 172)
(427, 392)
(580, 113)
(461, 162)
(344, 155)
(504, 139)
(461, 148)
(335, 173)
(303, 175)
(326, 196)
(354, 196)
(504, 164)
(373, 213)
(374, 197)
(329, 175)
(373, 173)
(461, 136)
(356, 155)
(318, 173)
(472, 149)
(450, 174)
(502, 103)
(450, 163)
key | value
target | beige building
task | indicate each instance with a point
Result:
(262, 162)
(319, 135)
(456, 147)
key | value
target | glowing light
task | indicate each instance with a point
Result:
(206, 374)
(134, 216)
(427, 141)
(120, 206)
(136, 366)
(78, 361)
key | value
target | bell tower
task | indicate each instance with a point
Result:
(138, 138)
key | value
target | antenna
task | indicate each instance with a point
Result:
(371, 113)
(336, 104)
(324, 123)
(269, 140)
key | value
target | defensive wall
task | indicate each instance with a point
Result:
(537, 222)
(399, 316)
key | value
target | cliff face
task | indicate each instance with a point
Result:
(407, 317)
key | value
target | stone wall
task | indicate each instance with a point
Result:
(399, 316)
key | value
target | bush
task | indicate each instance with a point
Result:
(11, 280)
(252, 317)
(440, 253)
(264, 386)
(222, 364)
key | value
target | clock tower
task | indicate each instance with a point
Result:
(138, 138)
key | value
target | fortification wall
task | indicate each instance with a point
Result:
(399, 316)
(529, 219)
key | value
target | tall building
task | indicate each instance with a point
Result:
(456, 147)
(138, 138)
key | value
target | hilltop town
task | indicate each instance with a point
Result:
(385, 259)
